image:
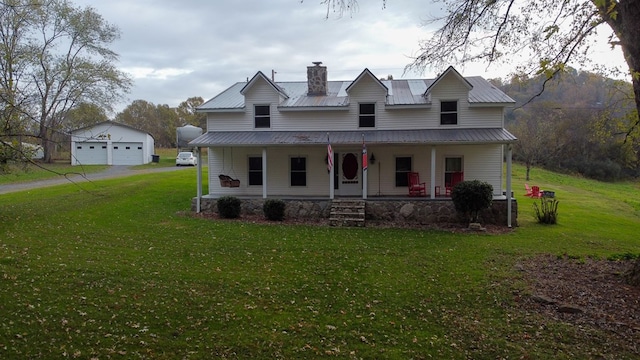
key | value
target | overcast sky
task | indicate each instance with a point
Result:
(179, 49)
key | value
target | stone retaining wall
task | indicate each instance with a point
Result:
(401, 212)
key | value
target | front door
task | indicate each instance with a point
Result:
(349, 175)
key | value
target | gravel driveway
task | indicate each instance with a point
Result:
(114, 171)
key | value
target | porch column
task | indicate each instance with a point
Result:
(509, 199)
(365, 180)
(264, 173)
(433, 172)
(199, 180)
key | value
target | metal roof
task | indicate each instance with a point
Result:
(109, 122)
(400, 92)
(423, 136)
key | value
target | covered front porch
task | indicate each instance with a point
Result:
(372, 165)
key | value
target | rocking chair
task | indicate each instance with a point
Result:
(416, 188)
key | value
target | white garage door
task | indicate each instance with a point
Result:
(91, 153)
(127, 153)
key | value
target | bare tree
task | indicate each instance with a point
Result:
(55, 56)
(547, 33)
(536, 140)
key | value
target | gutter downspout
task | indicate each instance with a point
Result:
(509, 198)
(199, 180)
(264, 173)
(433, 172)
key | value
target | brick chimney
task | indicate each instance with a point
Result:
(317, 79)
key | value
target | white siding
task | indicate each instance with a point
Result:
(236, 161)
(366, 90)
(483, 162)
(111, 134)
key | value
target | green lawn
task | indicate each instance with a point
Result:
(124, 270)
(42, 171)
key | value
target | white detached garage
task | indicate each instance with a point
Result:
(111, 143)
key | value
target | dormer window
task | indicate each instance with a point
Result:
(367, 115)
(448, 113)
(262, 116)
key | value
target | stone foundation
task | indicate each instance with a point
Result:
(401, 212)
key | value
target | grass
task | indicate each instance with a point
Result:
(124, 271)
(43, 171)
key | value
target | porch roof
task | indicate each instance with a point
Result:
(421, 136)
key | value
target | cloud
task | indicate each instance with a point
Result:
(179, 49)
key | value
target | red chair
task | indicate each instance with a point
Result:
(535, 192)
(416, 188)
(528, 188)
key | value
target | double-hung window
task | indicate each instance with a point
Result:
(403, 168)
(448, 113)
(262, 116)
(255, 170)
(453, 173)
(367, 115)
(298, 173)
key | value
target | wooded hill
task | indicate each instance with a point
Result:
(579, 123)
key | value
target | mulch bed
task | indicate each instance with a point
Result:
(585, 293)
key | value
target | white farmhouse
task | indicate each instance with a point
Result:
(273, 138)
(111, 143)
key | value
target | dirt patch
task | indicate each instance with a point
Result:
(584, 292)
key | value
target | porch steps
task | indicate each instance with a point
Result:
(349, 213)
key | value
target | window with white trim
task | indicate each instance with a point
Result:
(403, 168)
(255, 170)
(367, 115)
(448, 113)
(453, 173)
(262, 116)
(298, 168)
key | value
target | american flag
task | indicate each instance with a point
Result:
(364, 155)
(329, 155)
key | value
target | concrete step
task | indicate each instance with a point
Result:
(347, 213)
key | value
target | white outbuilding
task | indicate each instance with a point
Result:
(111, 143)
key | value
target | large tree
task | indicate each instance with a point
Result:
(83, 115)
(543, 36)
(188, 115)
(160, 121)
(54, 57)
(548, 34)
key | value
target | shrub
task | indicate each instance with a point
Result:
(471, 197)
(547, 212)
(274, 209)
(229, 207)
